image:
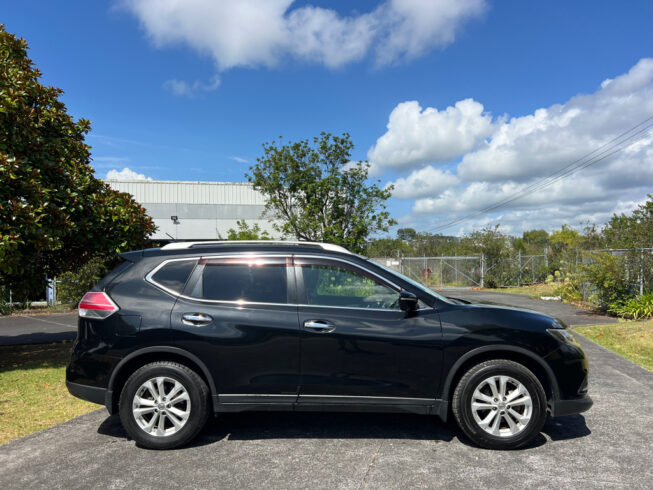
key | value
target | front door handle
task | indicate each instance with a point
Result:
(196, 319)
(319, 326)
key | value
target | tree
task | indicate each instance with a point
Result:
(536, 237)
(565, 238)
(244, 232)
(495, 247)
(54, 214)
(634, 231)
(426, 244)
(387, 247)
(317, 193)
(406, 234)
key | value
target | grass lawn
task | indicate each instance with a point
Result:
(633, 340)
(534, 291)
(33, 394)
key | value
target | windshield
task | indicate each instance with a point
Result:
(418, 285)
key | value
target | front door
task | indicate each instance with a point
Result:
(355, 341)
(239, 316)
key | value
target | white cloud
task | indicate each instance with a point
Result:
(239, 159)
(551, 138)
(414, 26)
(261, 32)
(183, 88)
(125, 174)
(426, 182)
(417, 136)
(524, 150)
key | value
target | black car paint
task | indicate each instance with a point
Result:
(375, 361)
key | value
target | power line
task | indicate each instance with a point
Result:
(537, 186)
(620, 142)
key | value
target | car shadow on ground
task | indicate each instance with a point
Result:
(37, 338)
(310, 425)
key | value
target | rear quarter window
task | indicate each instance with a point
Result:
(173, 275)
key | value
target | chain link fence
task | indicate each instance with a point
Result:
(471, 271)
(517, 270)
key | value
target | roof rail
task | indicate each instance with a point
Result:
(186, 245)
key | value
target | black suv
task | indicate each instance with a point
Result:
(176, 333)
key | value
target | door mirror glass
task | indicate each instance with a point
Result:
(407, 301)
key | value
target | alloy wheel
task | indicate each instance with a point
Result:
(161, 406)
(502, 406)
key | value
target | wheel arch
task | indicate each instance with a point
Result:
(510, 352)
(141, 357)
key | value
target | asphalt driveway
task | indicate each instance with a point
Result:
(609, 446)
(37, 328)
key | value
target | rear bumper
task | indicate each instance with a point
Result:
(91, 394)
(559, 408)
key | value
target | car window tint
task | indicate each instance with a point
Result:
(245, 282)
(174, 275)
(335, 286)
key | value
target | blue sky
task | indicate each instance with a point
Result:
(187, 90)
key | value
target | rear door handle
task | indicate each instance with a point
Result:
(319, 326)
(196, 319)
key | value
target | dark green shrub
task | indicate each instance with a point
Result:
(635, 308)
(75, 284)
(605, 277)
(491, 282)
(571, 288)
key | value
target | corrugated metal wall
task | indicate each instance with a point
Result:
(167, 192)
(204, 210)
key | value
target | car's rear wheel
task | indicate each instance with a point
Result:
(164, 405)
(500, 404)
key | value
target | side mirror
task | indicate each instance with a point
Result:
(407, 301)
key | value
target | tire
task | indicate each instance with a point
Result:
(158, 421)
(503, 417)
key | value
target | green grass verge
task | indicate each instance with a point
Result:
(633, 340)
(534, 290)
(33, 394)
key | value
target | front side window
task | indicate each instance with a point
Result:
(244, 281)
(333, 285)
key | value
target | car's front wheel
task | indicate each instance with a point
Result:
(164, 405)
(500, 404)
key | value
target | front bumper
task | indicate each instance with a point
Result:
(560, 408)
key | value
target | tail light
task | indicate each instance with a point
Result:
(97, 305)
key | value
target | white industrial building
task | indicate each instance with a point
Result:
(197, 210)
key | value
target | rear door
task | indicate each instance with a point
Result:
(356, 343)
(238, 314)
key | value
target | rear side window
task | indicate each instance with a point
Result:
(245, 281)
(173, 275)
